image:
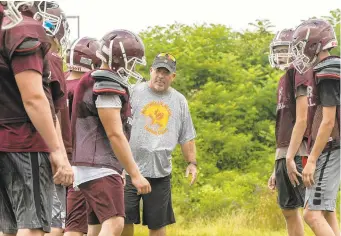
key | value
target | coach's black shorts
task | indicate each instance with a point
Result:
(289, 197)
(157, 205)
(26, 187)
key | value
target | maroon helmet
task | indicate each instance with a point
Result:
(12, 13)
(57, 26)
(281, 57)
(81, 56)
(122, 50)
(309, 39)
(15, 9)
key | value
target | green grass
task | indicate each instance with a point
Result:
(265, 219)
(237, 225)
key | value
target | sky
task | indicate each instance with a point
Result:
(100, 16)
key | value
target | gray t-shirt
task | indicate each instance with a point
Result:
(160, 122)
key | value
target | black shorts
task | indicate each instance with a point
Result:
(26, 190)
(157, 205)
(289, 197)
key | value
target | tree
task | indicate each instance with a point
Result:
(334, 18)
(262, 25)
(231, 90)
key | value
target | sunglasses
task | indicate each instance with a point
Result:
(167, 55)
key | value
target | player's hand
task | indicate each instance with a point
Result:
(61, 168)
(141, 184)
(308, 173)
(292, 172)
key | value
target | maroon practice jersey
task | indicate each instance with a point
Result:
(91, 145)
(324, 91)
(286, 104)
(22, 48)
(71, 86)
(65, 115)
(58, 84)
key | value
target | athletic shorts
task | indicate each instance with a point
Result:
(289, 197)
(76, 218)
(104, 198)
(59, 207)
(322, 195)
(26, 191)
(157, 205)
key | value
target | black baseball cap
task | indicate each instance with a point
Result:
(165, 60)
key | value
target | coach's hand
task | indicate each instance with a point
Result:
(141, 184)
(61, 168)
(272, 181)
(191, 169)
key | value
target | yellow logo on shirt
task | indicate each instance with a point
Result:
(159, 114)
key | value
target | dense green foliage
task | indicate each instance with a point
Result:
(231, 90)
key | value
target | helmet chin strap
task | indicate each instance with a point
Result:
(314, 60)
(56, 45)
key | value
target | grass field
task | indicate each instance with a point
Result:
(234, 226)
(264, 220)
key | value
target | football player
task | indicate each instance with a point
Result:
(312, 41)
(29, 142)
(80, 58)
(291, 123)
(101, 128)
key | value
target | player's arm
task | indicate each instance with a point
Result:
(108, 104)
(297, 133)
(59, 133)
(324, 131)
(300, 124)
(112, 123)
(329, 93)
(110, 116)
(28, 71)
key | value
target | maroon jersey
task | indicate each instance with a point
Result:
(91, 146)
(58, 84)
(59, 92)
(23, 47)
(286, 104)
(65, 115)
(325, 72)
(71, 86)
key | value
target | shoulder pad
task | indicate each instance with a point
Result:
(27, 47)
(331, 62)
(106, 75)
(108, 87)
(328, 69)
(25, 35)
